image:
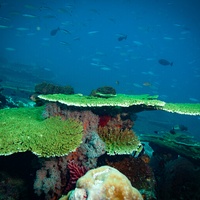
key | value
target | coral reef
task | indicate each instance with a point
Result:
(49, 88)
(133, 103)
(120, 100)
(137, 170)
(104, 92)
(119, 141)
(16, 176)
(104, 183)
(178, 143)
(122, 121)
(75, 172)
(86, 117)
(89, 150)
(24, 129)
(55, 178)
(51, 179)
(3, 101)
(12, 188)
(183, 108)
(180, 180)
(48, 179)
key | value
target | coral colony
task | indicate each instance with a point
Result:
(82, 142)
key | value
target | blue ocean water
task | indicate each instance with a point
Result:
(85, 52)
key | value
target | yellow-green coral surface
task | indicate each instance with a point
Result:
(119, 141)
(183, 108)
(143, 102)
(24, 129)
(121, 100)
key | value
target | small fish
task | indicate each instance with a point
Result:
(139, 151)
(76, 38)
(10, 49)
(29, 16)
(22, 29)
(137, 85)
(178, 25)
(29, 6)
(65, 31)
(138, 43)
(168, 38)
(193, 99)
(4, 19)
(172, 131)
(3, 27)
(54, 31)
(147, 84)
(92, 32)
(156, 132)
(94, 64)
(122, 37)
(105, 68)
(117, 82)
(165, 62)
(64, 43)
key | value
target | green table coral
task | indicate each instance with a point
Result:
(183, 108)
(24, 129)
(121, 100)
(135, 103)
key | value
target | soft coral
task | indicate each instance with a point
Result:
(75, 172)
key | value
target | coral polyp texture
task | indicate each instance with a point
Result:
(119, 141)
(24, 129)
(104, 183)
(133, 102)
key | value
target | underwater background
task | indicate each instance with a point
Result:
(86, 53)
(135, 46)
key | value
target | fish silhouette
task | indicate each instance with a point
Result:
(122, 37)
(165, 62)
(54, 31)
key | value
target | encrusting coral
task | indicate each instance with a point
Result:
(24, 129)
(104, 183)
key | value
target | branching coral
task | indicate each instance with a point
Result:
(119, 141)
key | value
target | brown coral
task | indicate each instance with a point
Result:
(137, 171)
